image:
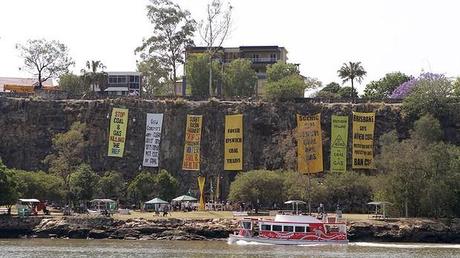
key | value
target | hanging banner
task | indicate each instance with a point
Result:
(117, 134)
(201, 180)
(339, 140)
(191, 159)
(363, 140)
(309, 144)
(152, 139)
(233, 146)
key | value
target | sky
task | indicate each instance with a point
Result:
(385, 35)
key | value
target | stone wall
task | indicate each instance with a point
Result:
(27, 127)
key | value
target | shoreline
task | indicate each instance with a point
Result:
(96, 227)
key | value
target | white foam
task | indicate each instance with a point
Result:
(243, 242)
(408, 245)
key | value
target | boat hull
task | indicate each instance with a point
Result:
(235, 238)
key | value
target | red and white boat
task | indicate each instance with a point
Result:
(291, 230)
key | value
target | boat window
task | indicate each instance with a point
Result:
(277, 228)
(299, 229)
(247, 224)
(266, 227)
(332, 228)
(288, 229)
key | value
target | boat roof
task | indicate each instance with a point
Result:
(296, 219)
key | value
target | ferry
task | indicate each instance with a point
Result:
(291, 229)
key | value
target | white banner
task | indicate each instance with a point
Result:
(152, 139)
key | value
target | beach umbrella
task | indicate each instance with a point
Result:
(157, 201)
(185, 198)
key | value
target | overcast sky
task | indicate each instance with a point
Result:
(385, 35)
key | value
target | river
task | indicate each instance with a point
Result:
(13, 248)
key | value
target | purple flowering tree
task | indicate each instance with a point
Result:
(424, 78)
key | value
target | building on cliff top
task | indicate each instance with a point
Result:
(260, 56)
(124, 83)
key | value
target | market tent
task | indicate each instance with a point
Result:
(156, 201)
(185, 198)
(295, 205)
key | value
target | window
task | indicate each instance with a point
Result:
(247, 225)
(277, 228)
(288, 229)
(273, 57)
(266, 227)
(299, 229)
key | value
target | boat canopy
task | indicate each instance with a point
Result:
(29, 200)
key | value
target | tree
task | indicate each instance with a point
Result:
(68, 151)
(8, 187)
(258, 188)
(383, 88)
(329, 92)
(429, 93)
(167, 185)
(284, 82)
(240, 79)
(111, 185)
(73, 84)
(142, 187)
(155, 77)
(346, 92)
(213, 31)
(350, 72)
(173, 30)
(83, 183)
(425, 184)
(45, 59)
(95, 76)
(197, 67)
(39, 185)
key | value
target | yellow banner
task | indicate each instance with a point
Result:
(309, 144)
(191, 159)
(201, 180)
(363, 140)
(117, 134)
(233, 147)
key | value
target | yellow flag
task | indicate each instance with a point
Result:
(191, 159)
(201, 180)
(117, 134)
(363, 140)
(233, 146)
(309, 144)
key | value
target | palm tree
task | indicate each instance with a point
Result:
(95, 75)
(352, 71)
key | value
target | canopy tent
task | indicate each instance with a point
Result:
(295, 205)
(156, 201)
(185, 198)
(103, 205)
(379, 213)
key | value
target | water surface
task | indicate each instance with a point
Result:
(13, 248)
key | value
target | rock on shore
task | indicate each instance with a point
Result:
(83, 227)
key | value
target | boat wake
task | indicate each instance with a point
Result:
(243, 242)
(405, 246)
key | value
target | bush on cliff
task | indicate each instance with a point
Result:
(146, 186)
(167, 185)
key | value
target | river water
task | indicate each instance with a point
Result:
(12, 248)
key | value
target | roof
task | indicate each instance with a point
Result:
(29, 200)
(102, 200)
(123, 73)
(157, 201)
(295, 201)
(21, 81)
(117, 89)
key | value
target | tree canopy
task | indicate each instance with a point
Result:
(173, 30)
(155, 77)
(240, 79)
(73, 84)
(83, 183)
(94, 75)
(383, 88)
(198, 75)
(45, 59)
(285, 82)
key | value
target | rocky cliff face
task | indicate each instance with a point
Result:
(27, 127)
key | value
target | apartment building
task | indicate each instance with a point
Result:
(260, 56)
(124, 83)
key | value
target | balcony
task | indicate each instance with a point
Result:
(263, 59)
